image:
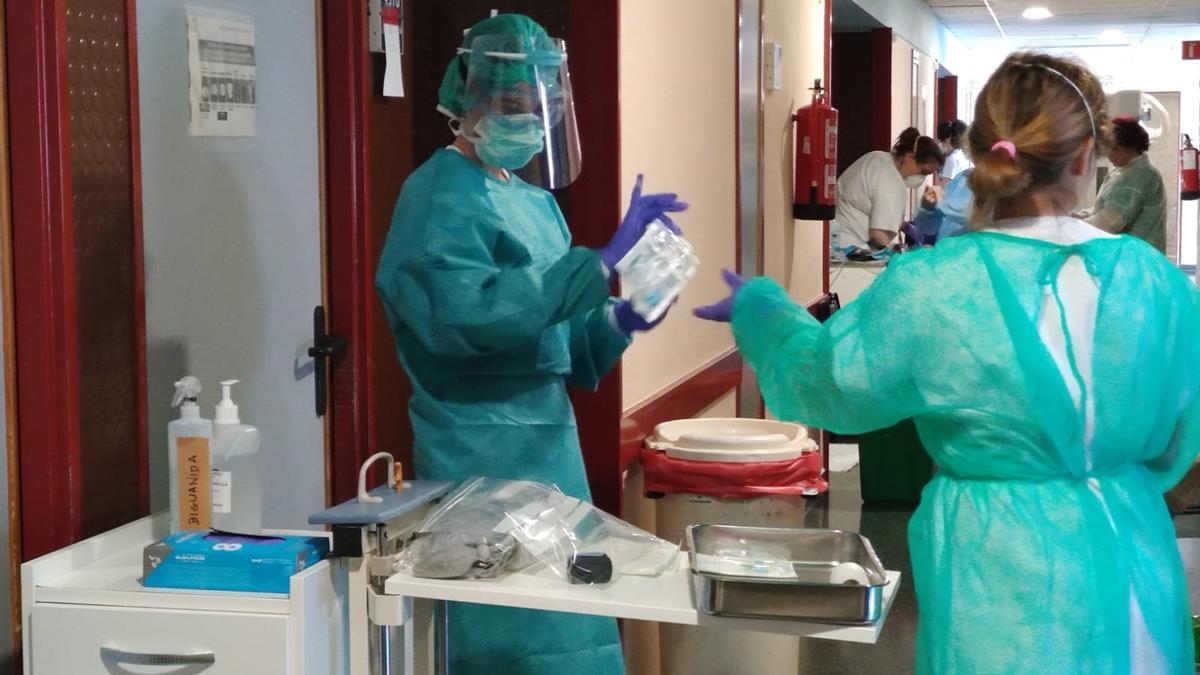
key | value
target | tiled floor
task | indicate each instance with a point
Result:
(887, 529)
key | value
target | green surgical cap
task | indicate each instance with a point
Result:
(511, 32)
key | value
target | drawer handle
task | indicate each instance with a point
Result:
(108, 654)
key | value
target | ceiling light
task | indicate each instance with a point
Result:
(1036, 13)
(1113, 36)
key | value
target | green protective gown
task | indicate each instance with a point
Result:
(1027, 545)
(494, 313)
(1136, 201)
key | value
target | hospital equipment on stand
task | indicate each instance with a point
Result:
(350, 614)
(369, 532)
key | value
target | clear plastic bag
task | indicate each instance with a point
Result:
(549, 527)
(461, 555)
(741, 559)
(656, 269)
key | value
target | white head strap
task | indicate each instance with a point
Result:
(1087, 106)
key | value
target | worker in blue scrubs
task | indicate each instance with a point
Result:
(494, 313)
(945, 211)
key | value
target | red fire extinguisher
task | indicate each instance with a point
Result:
(1189, 176)
(815, 194)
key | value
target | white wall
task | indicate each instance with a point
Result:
(909, 108)
(232, 246)
(1155, 65)
(914, 21)
(678, 128)
(902, 82)
(927, 95)
(691, 148)
(1126, 68)
(1120, 68)
(792, 249)
(1164, 155)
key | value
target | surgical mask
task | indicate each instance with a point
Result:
(915, 181)
(509, 141)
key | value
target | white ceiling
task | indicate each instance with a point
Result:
(1076, 23)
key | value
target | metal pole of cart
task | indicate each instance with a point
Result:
(367, 533)
(383, 662)
(389, 635)
(441, 638)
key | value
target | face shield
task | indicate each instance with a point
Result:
(520, 114)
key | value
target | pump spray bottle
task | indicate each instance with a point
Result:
(236, 479)
(189, 460)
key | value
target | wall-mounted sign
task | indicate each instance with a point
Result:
(222, 77)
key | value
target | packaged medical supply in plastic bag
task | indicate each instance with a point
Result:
(549, 527)
(462, 555)
(656, 269)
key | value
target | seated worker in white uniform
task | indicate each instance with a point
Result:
(950, 136)
(873, 193)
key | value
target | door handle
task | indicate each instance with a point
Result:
(111, 655)
(325, 347)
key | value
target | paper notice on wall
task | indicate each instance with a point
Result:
(222, 77)
(393, 77)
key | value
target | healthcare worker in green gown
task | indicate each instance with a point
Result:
(1133, 199)
(494, 313)
(1052, 370)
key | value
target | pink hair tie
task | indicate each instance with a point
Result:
(1006, 146)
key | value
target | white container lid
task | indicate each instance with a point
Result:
(731, 440)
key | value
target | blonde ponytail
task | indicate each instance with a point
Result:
(1044, 109)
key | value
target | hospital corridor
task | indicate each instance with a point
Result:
(599, 337)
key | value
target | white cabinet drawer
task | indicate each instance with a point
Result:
(87, 640)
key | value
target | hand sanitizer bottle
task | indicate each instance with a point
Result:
(189, 460)
(236, 479)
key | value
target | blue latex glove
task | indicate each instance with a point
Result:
(643, 210)
(912, 235)
(723, 311)
(629, 322)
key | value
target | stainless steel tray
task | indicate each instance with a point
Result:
(807, 594)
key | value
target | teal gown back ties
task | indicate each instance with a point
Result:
(1034, 551)
(494, 314)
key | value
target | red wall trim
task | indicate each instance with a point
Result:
(947, 98)
(685, 400)
(347, 237)
(139, 297)
(690, 397)
(44, 275)
(9, 410)
(595, 208)
(881, 84)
